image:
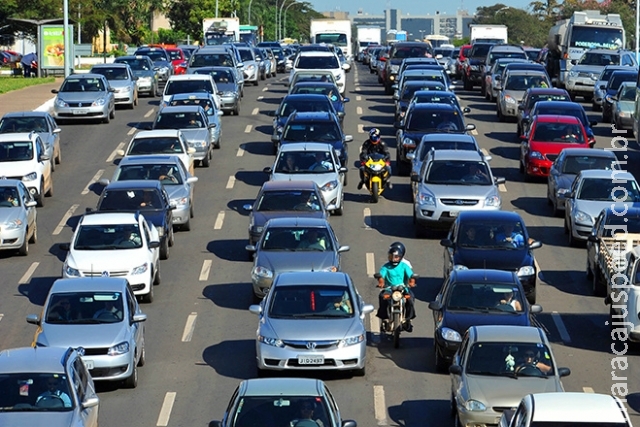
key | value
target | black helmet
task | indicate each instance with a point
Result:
(393, 252)
(400, 247)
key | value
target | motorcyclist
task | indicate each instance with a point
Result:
(374, 145)
(394, 273)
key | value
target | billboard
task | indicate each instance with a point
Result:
(51, 55)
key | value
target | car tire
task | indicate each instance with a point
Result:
(236, 110)
(360, 372)
(256, 83)
(440, 362)
(112, 114)
(573, 242)
(24, 249)
(59, 157)
(157, 279)
(186, 226)
(164, 248)
(132, 380)
(143, 356)
(34, 236)
(172, 239)
(191, 210)
(148, 298)
(420, 231)
(50, 192)
(501, 118)
(599, 288)
(40, 198)
(206, 162)
(107, 119)
(453, 410)
(532, 296)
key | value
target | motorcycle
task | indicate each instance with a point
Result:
(376, 175)
(395, 324)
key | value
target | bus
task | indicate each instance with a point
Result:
(437, 40)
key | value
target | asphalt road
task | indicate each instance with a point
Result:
(191, 372)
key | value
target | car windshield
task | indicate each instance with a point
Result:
(409, 90)
(155, 55)
(205, 103)
(599, 59)
(300, 239)
(9, 197)
(313, 89)
(338, 39)
(316, 131)
(456, 172)
(310, 301)
(618, 78)
(15, 151)
(546, 97)
(82, 85)
(620, 224)
(424, 77)
(509, 359)
(219, 76)
(177, 120)
(129, 200)
(435, 99)
(434, 121)
(606, 189)
(304, 162)
(188, 86)
(479, 50)
(278, 410)
(492, 235)
(446, 53)
(289, 106)
(115, 73)
(566, 110)
(175, 55)
(574, 164)
(565, 133)
(167, 174)
(524, 82)
(108, 237)
(84, 308)
(157, 145)
(426, 146)
(135, 64)
(288, 200)
(606, 73)
(485, 297)
(532, 54)
(628, 94)
(23, 124)
(246, 55)
(317, 62)
(211, 60)
(35, 392)
(411, 52)
(313, 77)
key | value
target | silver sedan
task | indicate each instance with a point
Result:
(121, 78)
(84, 97)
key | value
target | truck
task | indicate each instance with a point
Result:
(570, 38)
(488, 33)
(249, 34)
(334, 31)
(401, 36)
(218, 31)
(366, 35)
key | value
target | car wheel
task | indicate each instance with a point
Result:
(565, 225)
(50, 192)
(172, 239)
(452, 406)
(157, 279)
(500, 116)
(599, 288)
(112, 114)
(59, 157)
(191, 211)
(24, 249)
(441, 362)
(40, 199)
(148, 298)
(206, 162)
(521, 166)
(132, 381)
(532, 296)
(143, 356)
(556, 212)
(34, 235)
(107, 119)
(236, 110)
(573, 242)
(164, 248)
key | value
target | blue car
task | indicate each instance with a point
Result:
(321, 88)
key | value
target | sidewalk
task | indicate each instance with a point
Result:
(29, 98)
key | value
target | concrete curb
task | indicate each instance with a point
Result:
(47, 106)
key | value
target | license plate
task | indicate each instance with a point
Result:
(453, 214)
(310, 360)
(88, 364)
(80, 112)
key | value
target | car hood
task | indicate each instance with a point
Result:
(596, 69)
(9, 214)
(594, 207)
(261, 218)
(279, 261)
(143, 73)
(87, 97)
(226, 87)
(116, 84)
(507, 259)
(505, 391)
(319, 178)
(154, 217)
(458, 191)
(87, 336)
(36, 419)
(313, 329)
(626, 106)
(460, 321)
(109, 260)
(175, 192)
(18, 168)
(553, 147)
(199, 134)
(565, 180)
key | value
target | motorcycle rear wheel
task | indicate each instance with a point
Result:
(397, 328)
(375, 191)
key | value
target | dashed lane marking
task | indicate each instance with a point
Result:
(557, 319)
(474, 132)
(255, 111)
(366, 212)
(26, 277)
(260, 98)
(371, 264)
(187, 334)
(95, 178)
(502, 188)
(1, 316)
(149, 113)
(379, 405)
(588, 390)
(359, 110)
(231, 182)
(360, 128)
(357, 88)
(240, 152)
(374, 324)
(219, 221)
(539, 270)
(206, 269)
(114, 153)
(358, 98)
(65, 218)
(165, 411)
(265, 89)
(248, 129)
(132, 131)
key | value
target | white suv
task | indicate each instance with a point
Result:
(119, 244)
(321, 61)
(188, 83)
(164, 141)
(22, 157)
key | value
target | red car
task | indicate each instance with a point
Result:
(178, 60)
(464, 51)
(547, 136)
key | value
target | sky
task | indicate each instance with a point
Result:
(411, 7)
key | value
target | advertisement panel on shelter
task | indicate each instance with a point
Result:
(52, 46)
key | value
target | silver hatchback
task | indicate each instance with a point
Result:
(312, 320)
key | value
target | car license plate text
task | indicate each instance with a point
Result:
(80, 112)
(453, 214)
(88, 364)
(310, 360)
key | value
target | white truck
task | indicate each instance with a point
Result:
(488, 33)
(334, 31)
(220, 30)
(367, 35)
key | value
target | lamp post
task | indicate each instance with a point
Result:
(249, 17)
(637, 30)
(65, 27)
(278, 22)
(284, 26)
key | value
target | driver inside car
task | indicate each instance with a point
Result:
(530, 360)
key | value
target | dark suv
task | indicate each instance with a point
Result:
(496, 52)
(397, 54)
(474, 65)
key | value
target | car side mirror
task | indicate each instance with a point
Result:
(399, 124)
(447, 243)
(140, 317)
(343, 249)
(250, 248)
(466, 110)
(192, 180)
(602, 86)
(191, 150)
(153, 245)
(396, 97)
(267, 170)
(536, 308)
(411, 155)
(592, 124)
(57, 130)
(247, 207)
(343, 169)
(255, 309)
(499, 180)
(271, 113)
(64, 246)
(345, 99)
(349, 423)
(31, 204)
(240, 64)
(348, 138)
(564, 372)
(54, 91)
(520, 107)
(112, 90)
(435, 306)
(574, 62)
(346, 67)
(104, 182)
(120, 153)
(34, 319)
(592, 238)
(535, 244)
(212, 126)
(455, 369)
(215, 424)
(90, 402)
(415, 178)
(470, 127)
(592, 144)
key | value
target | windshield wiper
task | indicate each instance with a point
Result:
(494, 374)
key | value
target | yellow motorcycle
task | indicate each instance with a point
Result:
(376, 175)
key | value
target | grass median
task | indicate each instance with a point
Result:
(7, 84)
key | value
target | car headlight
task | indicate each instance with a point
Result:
(275, 342)
(459, 267)
(450, 335)
(257, 229)
(536, 155)
(510, 99)
(492, 201)
(527, 270)
(160, 231)
(251, 67)
(561, 192)
(61, 103)
(99, 102)
(339, 77)
(262, 272)
(475, 406)
(331, 185)
(229, 93)
(30, 177)
(197, 144)
(163, 69)
(582, 217)
(118, 349)
(71, 272)
(573, 73)
(12, 225)
(408, 142)
(594, 77)
(426, 199)
(351, 341)
(180, 201)
(140, 269)
(146, 79)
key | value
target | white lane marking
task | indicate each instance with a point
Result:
(366, 212)
(255, 111)
(379, 406)
(206, 269)
(360, 128)
(358, 98)
(1, 316)
(65, 218)
(27, 275)
(187, 334)
(474, 132)
(502, 188)
(371, 264)
(248, 129)
(374, 324)
(115, 152)
(231, 182)
(149, 113)
(260, 98)
(357, 88)
(132, 131)
(265, 89)
(240, 152)
(587, 390)
(95, 178)
(165, 411)
(561, 328)
(539, 270)
(219, 221)
(359, 110)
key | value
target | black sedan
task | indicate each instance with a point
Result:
(301, 103)
(492, 239)
(476, 297)
(146, 196)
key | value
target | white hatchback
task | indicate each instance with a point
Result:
(321, 61)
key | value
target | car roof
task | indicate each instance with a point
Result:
(433, 92)
(311, 278)
(134, 184)
(433, 106)
(103, 218)
(149, 159)
(628, 84)
(305, 146)
(6, 182)
(291, 221)
(570, 152)
(26, 114)
(463, 155)
(191, 95)
(18, 136)
(527, 73)
(311, 115)
(563, 104)
(309, 96)
(511, 333)
(449, 137)
(98, 284)
(313, 82)
(423, 71)
(604, 174)
(190, 77)
(489, 216)
(317, 53)
(111, 65)
(573, 407)
(547, 91)
(482, 275)
(506, 48)
(139, 56)
(289, 185)
(33, 359)
(181, 109)
(156, 133)
(281, 386)
(551, 118)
